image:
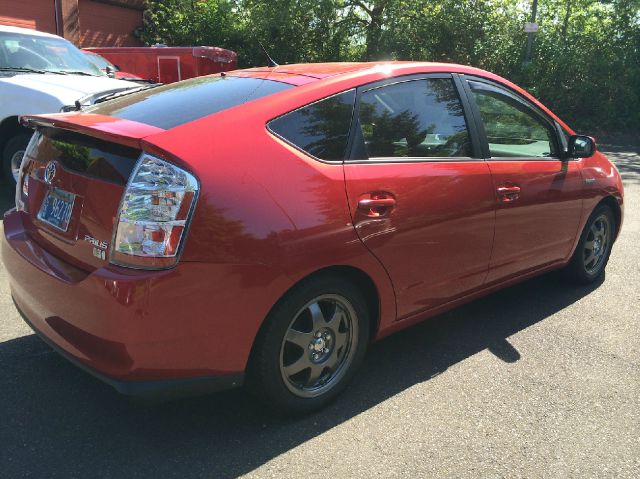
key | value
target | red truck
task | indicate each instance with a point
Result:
(163, 64)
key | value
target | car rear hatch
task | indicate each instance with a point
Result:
(74, 175)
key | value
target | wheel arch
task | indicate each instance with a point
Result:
(612, 203)
(364, 283)
(358, 277)
(10, 127)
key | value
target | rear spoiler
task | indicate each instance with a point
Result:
(107, 128)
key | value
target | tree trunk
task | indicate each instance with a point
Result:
(565, 24)
(374, 29)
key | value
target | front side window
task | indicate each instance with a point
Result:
(512, 128)
(416, 119)
(320, 129)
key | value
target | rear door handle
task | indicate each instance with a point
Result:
(508, 193)
(375, 205)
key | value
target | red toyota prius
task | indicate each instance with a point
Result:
(263, 226)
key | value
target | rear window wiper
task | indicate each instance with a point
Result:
(29, 70)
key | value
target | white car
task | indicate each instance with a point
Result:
(43, 73)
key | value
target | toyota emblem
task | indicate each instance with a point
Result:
(49, 173)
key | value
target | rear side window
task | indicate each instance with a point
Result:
(320, 129)
(414, 119)
(172, 105)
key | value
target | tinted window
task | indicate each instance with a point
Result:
(171, 105)
(320, 129)
(513, 129)
(420, 118)
(87, 156)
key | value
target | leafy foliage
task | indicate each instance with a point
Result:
(586, 57)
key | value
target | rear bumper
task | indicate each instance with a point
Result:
(140, 331)
(157, 388)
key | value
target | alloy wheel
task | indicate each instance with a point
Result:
(596, 244)
(16, 161)
(319, 345)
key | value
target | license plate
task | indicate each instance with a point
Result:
(56, 209)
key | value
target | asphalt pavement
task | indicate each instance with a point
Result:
(539, 380)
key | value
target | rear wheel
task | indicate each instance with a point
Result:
(12, 156)
(310, 346)
(593, 250)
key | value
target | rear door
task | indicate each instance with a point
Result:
(538, 195)
(421, 200)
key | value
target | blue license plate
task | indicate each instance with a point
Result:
(56, 209)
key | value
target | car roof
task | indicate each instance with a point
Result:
(26, 31)
(303, 73)
(313, 70)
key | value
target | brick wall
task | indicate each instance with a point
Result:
(87, 23)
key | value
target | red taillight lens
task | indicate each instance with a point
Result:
(154, 214)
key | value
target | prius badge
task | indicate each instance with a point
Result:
(49, 172)
(99, 247)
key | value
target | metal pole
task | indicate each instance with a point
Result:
(528, 57)
(56, 14)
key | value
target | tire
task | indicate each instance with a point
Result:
(592, 253)
(12, 149)
(320, 329)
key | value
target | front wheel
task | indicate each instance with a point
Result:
(592, 253)
(12, 156)
(310, 346)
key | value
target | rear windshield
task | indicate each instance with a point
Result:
(86, 156)
(172, 105)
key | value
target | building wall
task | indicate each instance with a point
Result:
(103, 24)
(34, 14)
(87, 23)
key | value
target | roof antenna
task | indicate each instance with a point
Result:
(272, 62)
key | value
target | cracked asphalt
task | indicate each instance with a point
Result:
(539, 380)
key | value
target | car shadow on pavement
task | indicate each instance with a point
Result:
(58, 420)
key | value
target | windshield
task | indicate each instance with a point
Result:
(31, 52)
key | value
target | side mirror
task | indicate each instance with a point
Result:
(581, 146)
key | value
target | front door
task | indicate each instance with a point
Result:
(538, 194)
(421, 201)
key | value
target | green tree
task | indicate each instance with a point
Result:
(586, 55)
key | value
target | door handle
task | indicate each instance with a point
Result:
(375, 205)
(508, 193)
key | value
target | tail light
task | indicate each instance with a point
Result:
(154, 214)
